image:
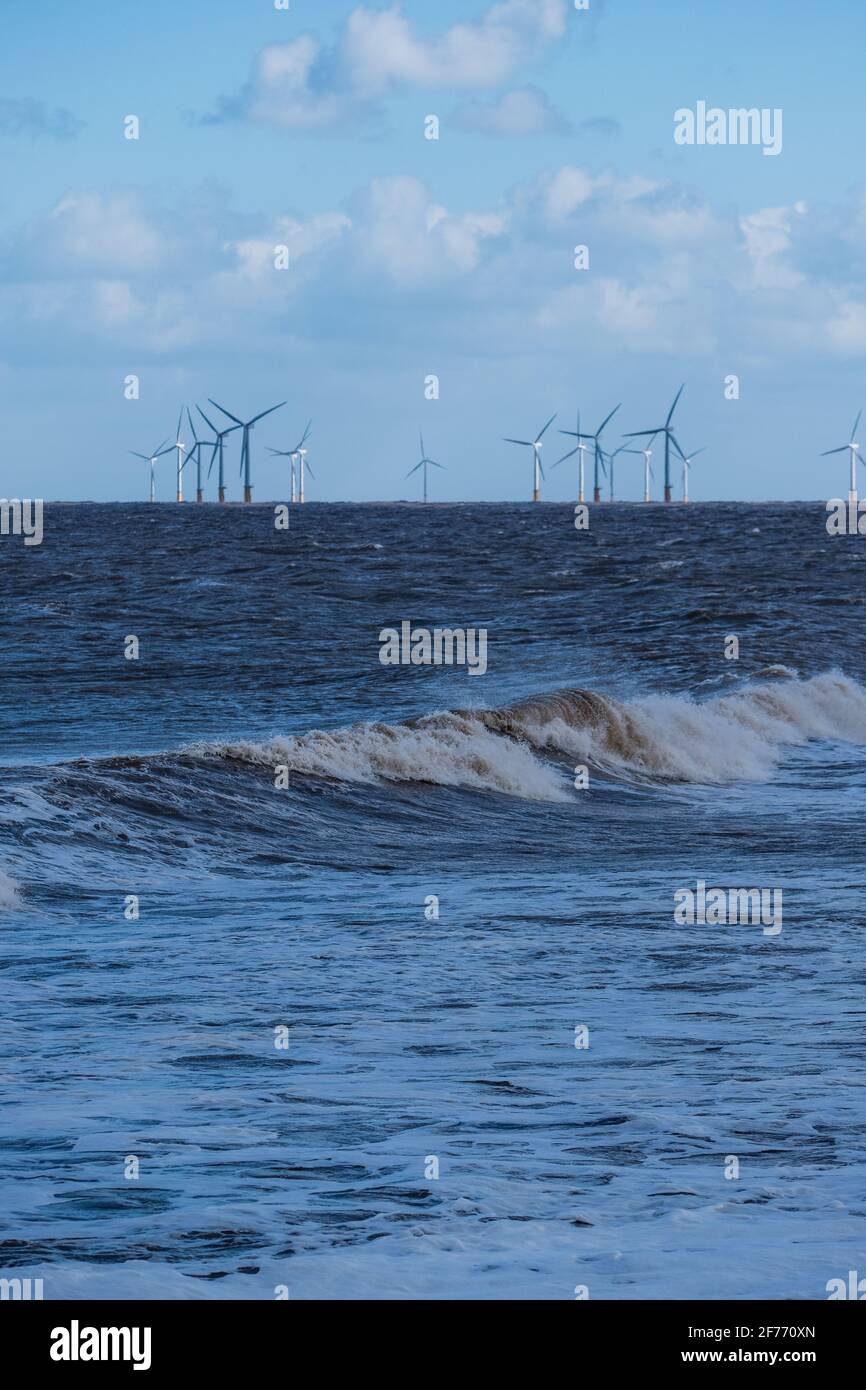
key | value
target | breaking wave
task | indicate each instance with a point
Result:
(520, 748)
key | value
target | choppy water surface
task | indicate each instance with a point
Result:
(411, 1039)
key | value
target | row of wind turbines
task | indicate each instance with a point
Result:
(603, 461)
(192, 453)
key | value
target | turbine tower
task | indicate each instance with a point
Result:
(181, 450)
(647, 468)
(246, 426)
(299, 453)
(646, 455)
(854, 448)
(423, 464)
(195, 452)
(302, 463)
(668, 433)
(687, 463)
(610, 458)
(151, 459)
(580, 449)
(599, 451)
(536, 446)
(217, 451)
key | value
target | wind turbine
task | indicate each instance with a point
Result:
(646, 455)
(647, 468)
(302, 460)
(217, 451)
(195, 451)
(246, 426)
(623, 449)
(687, 463)
(668, 433)
(151, 459)
(536, 446)
(299, 453)
(581, 449)
(855, 451)
(423, 464)
(181, 450)
(599, 451)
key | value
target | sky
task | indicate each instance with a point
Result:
(408, 258)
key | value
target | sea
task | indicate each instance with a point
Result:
(328, 979)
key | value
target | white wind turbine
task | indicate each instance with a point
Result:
(536, 446)
(854, 448)
(181, 450)
(579, 449)
(299, 455)
(151, 459)
(687, 463)
(647, 469)
(646, 455)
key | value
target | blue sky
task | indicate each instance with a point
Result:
(262, 127)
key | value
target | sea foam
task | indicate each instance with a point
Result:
(10, 896)
(520, 749)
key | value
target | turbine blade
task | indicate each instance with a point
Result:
(827, 452)
(609, 417)
(564, 457)
(676, 445)
(191, 425)
(546, 428)
(415, 469)
(856, 423)
(527, 443)
(225, 412)
(208, 422)
(266, 412)
(674, 406)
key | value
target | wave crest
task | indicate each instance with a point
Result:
(518, 749)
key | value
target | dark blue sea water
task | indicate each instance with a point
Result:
(417, 1042)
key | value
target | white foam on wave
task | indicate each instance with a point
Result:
(448, 750)
(10, 894)
(737, 737)
(729, 738)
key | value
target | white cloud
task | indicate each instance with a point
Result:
(667, 269)
(108, 234)
(767, 236)
(524, 111)
(846, 329)
(300, 85)
(411, 240)
(380, 48)
(281, 91)
(567, 190)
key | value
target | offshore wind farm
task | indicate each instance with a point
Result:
(604, 458)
